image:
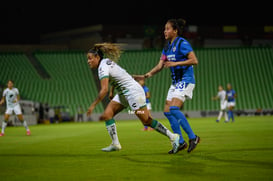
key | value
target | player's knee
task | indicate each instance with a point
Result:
(20, 117)
(105, 117)
(174, 109)
(6, 117)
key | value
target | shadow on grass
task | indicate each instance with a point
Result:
(99, 154)
(251, 162)
(177, 161)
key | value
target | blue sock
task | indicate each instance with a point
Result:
(182, 120)
(232, 115)
(229, 114)
(174, 125)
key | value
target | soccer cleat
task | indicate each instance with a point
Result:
(193, 143)
(2, 134)
(226, 121)
(28, 133)
(112, 147)
(175, 143)
(150, 129)
(181, 146)
(145, 129)
(217, 121)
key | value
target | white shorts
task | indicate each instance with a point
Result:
(16, 109)
(180, 91)
(136, 99)
(223, 105)
(231, 104)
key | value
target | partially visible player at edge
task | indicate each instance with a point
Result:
(11, 96)
(221, 95)
(130, 93)
(231, 96)
(179, 56)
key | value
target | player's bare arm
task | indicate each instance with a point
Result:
(111, 92)
(103, 92)
(148, 95)
(2, 100)
(215, 98)
(155, 70)
(17, 99)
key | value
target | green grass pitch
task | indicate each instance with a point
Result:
(71, 151)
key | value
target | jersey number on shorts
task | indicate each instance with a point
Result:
(181, 85)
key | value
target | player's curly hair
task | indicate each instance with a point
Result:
(109, 50)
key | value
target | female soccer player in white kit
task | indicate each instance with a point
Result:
(130, 93)
(11, 96)
(221, 95)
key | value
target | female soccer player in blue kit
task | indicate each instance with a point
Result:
(178, 55)
(231, 96)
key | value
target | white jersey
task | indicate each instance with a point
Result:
(11, 97)
(118, 77)
(222, 96)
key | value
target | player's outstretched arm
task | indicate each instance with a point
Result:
(103, 92)
(2, 100)
(155, 70)
(17, 99)
(138, 76)
(215, 98)
(111, 92)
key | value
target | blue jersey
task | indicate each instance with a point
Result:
(146, 89)
(175, 52)
(230, 95)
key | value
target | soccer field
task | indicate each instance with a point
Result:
(71, 151)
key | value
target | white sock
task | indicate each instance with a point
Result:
(226, 116)
(4, 125)
(25, 125)
(112, 130)
(170, 134)
(162, 129)
(220, 115)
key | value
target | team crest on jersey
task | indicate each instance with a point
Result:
(109, 62)
(174, 49)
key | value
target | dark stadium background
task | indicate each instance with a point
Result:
(23, 22)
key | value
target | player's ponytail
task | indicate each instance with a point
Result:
(110, 50)
(178, 24)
